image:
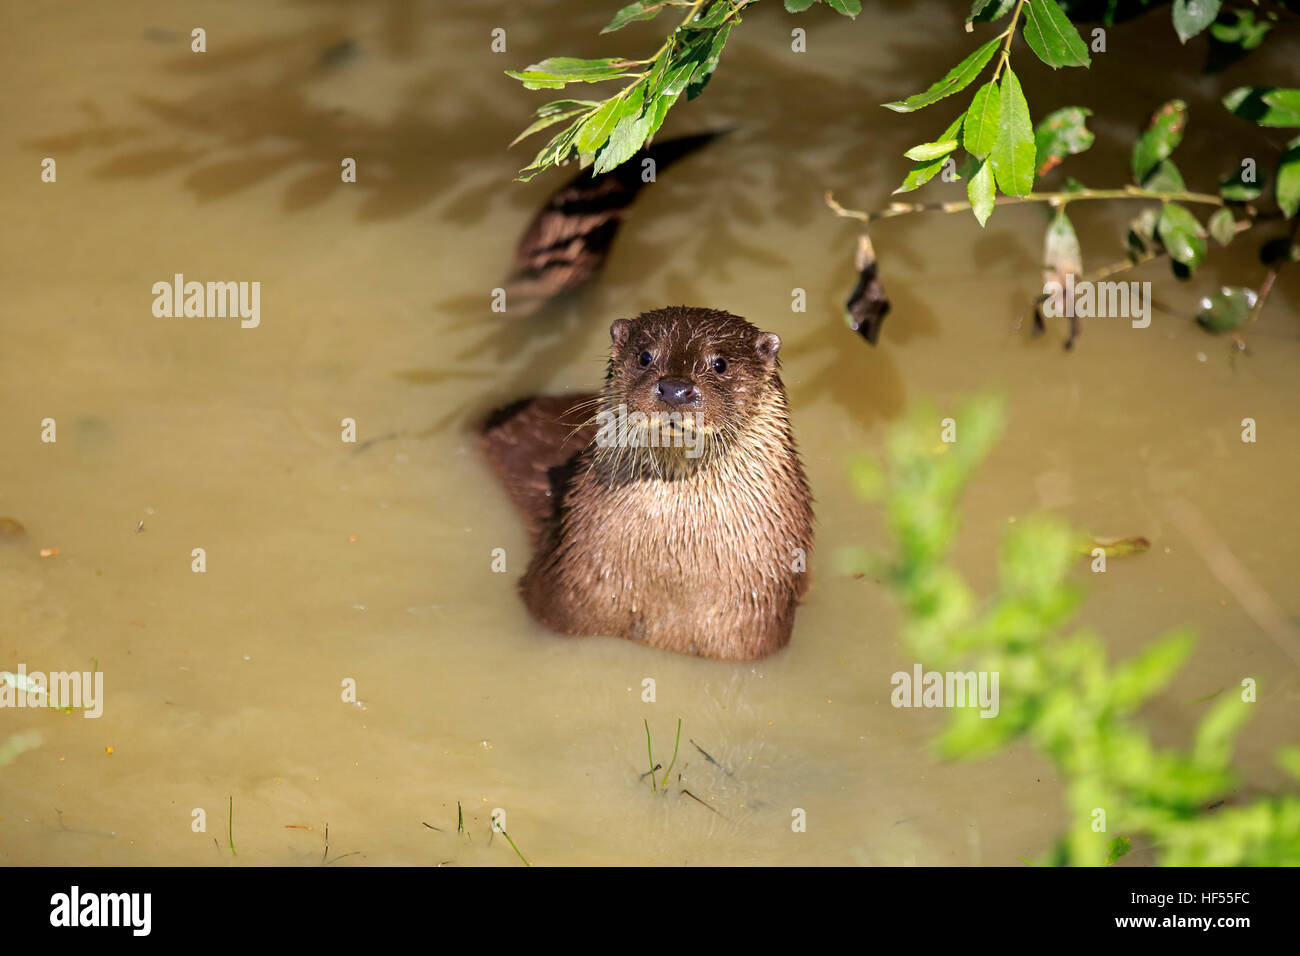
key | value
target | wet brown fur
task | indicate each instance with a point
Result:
(689, 554)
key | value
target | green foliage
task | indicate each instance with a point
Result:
(1013, 149)
(1052, 36)
(1246, 32)
(1060, 134)
(641, 10)
(1273, 107)
(981, 126)
(1058, 689)
(992, 143)
(1000, 136)
(1288, 179)
(956, 80)
(1160, 139)
(1193, 16)
(1265, 105)
(1181, 234)
(1226, 309)
(606, 133)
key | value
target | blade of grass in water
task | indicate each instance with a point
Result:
(650, 753)
(230, 826)
(675, 746)
(515, 848)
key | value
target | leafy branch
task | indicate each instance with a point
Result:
(1169, 229)
(1058, 691)
(1005, 154)
(606, 133)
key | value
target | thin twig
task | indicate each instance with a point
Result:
(1058, 199)
(701, 802)
(1010, 35)
(1239, 337)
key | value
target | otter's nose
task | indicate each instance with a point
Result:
(676, 392)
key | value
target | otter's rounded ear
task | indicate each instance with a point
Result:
(618, 332)
(767, 345)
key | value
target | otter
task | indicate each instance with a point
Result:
(670, 508)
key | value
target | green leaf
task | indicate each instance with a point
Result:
(596, 129)
(1215, 733)
(700, 78)
(1161, 137)
(799, 6)
(1245, 33)
(1142, 233)
(558, 106)
(641, 10)
(552, 117)
(981, 12)
(1181, 234)
(1061, 251)
(716, 14)
(846, 8)
(657, 111)
(1193, 16)
(1059, 134)
(1265, 105)
(676, 78)
(1285, 102)
(1013, 150)
(981, 192)
(1165, 178)
(982, 121)
(1116, 848)
(1052, 36)
(1225, 310)
(1136, 679)
(920, 174)
(1222, 226)
(628, 135)
(553, 153)
(553, 73)
(956, 80)
(1288, 180)
(1236, 189)
(926, 170)
(928, 151)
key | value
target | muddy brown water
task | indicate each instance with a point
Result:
(326, 562)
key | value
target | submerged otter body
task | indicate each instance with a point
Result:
(671, 509)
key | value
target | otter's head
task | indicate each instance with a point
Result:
(690, 378)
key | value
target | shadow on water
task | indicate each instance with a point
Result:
(266, 109)
(264, 112)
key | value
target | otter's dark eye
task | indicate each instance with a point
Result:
(645, 359)
(719, 365)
